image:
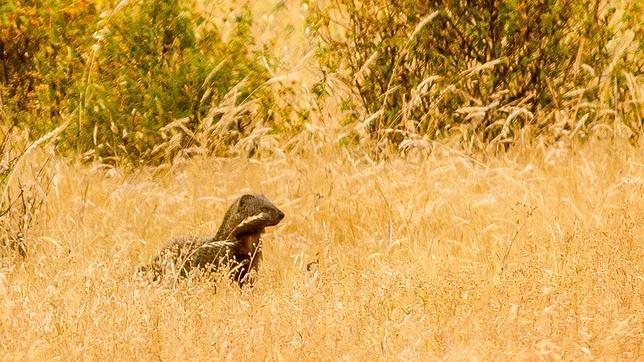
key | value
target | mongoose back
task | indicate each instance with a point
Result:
(236, 245)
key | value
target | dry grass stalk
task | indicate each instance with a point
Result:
(537, 250)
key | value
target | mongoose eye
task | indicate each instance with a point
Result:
(244, 199)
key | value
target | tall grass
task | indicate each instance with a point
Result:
(448, 248)
(533, 253)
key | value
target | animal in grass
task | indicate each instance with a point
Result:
(237, 244)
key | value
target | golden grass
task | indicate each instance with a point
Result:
(534, 253)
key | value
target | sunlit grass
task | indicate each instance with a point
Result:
(534, 253)
(436, 249)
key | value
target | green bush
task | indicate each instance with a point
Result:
(124, 75)
(422, 66)
(41, 58)
(152, 68)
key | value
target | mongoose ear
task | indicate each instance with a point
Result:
(244, 199)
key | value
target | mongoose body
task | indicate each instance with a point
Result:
(237, 244)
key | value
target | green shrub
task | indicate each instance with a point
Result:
(424, 66)
(41, 58)
(153, 68)
(123, 76)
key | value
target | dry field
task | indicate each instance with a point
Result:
(439, 253)
(533, 253)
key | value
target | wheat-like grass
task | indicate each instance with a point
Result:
(535, 253)
(436, 252)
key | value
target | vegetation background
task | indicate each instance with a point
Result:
(461, 180)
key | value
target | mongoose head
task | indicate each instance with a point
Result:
(249, 214)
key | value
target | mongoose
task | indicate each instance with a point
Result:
(236, 245)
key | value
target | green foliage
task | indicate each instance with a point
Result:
(41, 46)
(124, 75)
(422, 66)
(152, 68)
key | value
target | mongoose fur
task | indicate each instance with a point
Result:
(236, 245)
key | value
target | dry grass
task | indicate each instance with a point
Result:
(533, 253)
(537, 252)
